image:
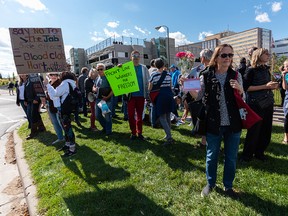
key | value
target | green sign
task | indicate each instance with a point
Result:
(123, 79)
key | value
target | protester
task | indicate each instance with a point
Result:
(62, 91)
(223, 119)
(20, 100)
(175, 78)
(165, 101)
(285, 105)
(194, 106)
(88, 85)
(81, 80)
(136, 100)
(152, 67)
(242, 67)
(258, 86)
(53, 105)
(250, 52)
(33, 103)
(11, 88)
(104, 93)
(281, 89)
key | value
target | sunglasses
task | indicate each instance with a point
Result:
(100, 69)
(136, 56)
(225, 55)
(53, 74)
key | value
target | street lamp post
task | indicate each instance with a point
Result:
(168, 49)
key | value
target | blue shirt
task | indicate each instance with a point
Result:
(175, 76)
(139, 93)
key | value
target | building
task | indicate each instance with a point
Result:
(117, 50)
(77, 60)
(243, 41)
(240, 42)
(281, 47)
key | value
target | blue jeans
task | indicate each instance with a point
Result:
(106, 122)
(125, 108)
(231, 145)
(54, 117)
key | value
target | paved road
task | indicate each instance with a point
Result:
(10, 113)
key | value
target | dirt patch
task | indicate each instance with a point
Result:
(10, 155)
(18, 209)
(14, 187)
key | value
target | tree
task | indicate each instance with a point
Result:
(13, 76)
(277, 62)
(0, 76)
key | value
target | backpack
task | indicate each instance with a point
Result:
(70, 104)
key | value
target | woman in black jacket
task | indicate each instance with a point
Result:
(258, 85)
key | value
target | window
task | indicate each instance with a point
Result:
(145, 56)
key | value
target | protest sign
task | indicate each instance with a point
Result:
(191, 84)
(37, 85)
(123, 79)
(38, 50)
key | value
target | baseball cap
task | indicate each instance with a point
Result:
(172, 66)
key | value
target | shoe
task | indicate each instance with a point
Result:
(206, 191)
(169, 142)
(141, 137)
(94, 129)
(57, 141)
(231, 193)
(133, 137)
(284, 141)
(69, 153)
(125, 118)
(30, 137)
(65, 147)
(78, 123)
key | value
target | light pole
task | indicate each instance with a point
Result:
(168, 50)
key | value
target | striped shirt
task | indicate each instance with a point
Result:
(155, 76)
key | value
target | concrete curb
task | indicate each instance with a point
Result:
(29, 188)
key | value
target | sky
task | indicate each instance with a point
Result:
(87, 22)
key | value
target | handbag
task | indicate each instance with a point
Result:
(153, 94)
(200, 126)
(247, 115)
(264, 101)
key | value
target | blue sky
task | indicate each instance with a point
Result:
(87, 22)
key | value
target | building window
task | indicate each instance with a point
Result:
(145, 56)
(126, 55)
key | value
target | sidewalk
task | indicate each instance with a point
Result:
(17, 190)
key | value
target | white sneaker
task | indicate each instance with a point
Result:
(57, 141)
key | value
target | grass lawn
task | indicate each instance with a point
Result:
(116, 176)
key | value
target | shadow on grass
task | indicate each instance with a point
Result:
(114, 202)
(272, 165)
(262, 207)
(177, 156)
(95, 170)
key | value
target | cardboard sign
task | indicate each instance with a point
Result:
(38, 50)
(37, 85)
(123, 80)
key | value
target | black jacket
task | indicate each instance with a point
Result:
(212, 99)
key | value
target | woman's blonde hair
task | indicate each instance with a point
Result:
(255, 61)
(217, 51)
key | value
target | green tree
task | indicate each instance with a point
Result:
(277, 62)
(0, 76)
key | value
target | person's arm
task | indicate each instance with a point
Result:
(58, 92)
(284, 81)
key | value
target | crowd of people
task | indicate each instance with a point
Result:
(218, 81)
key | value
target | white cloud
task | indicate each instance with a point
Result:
(145, 32)
(127, 33)
(204, 34)
(113, 24)
(262, 17)
(111, 33)
(36, 5)
(180, 38)
(7, 66)
(96, 36)
(276, 6)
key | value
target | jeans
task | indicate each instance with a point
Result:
(106, 122)
(84, 104)
(231, 145)
(25, 110)
(153, 115)
(54, 117)
(166, 124)
(125, 108)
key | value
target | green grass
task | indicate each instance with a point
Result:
(116, 176)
